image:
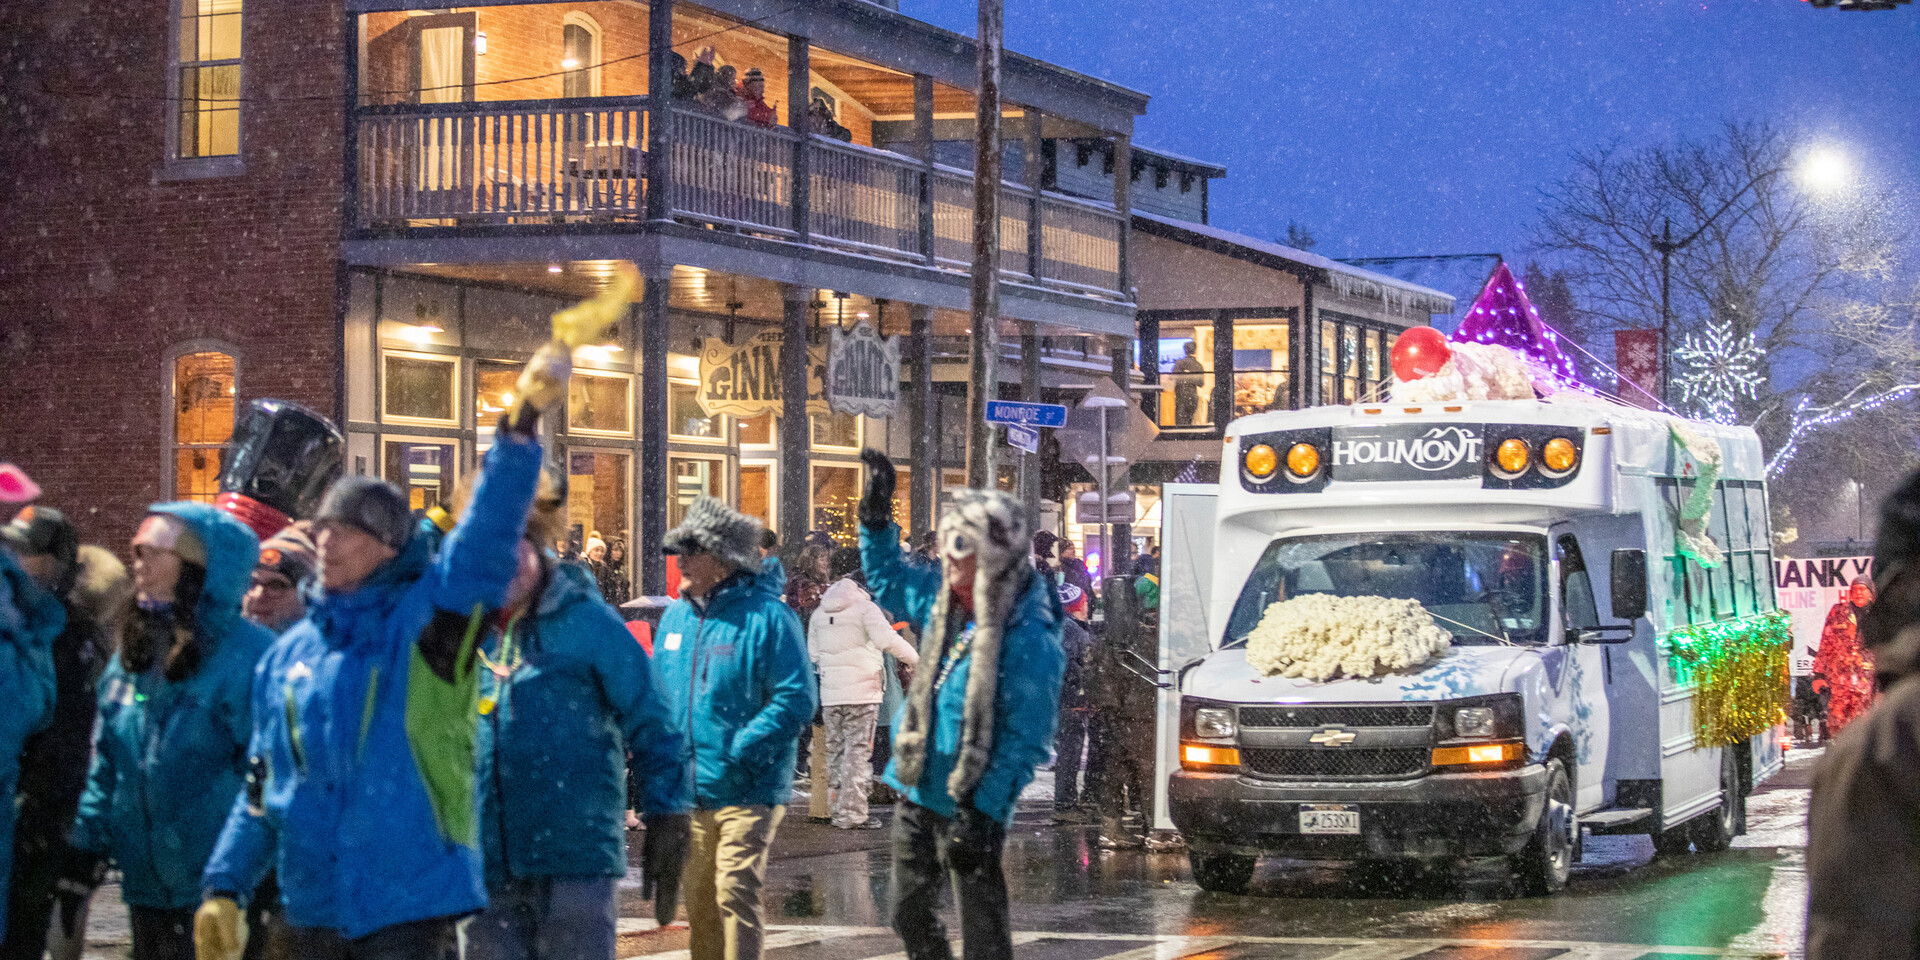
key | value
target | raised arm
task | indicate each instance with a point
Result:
(899, 584)
(881, 634)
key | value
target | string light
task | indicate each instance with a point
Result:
(1740, 670)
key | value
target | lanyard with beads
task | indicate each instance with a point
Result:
(510, 659)
(954, 654)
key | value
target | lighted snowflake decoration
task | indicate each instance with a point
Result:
(1721, 367)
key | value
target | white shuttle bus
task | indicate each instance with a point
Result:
(1542, 535)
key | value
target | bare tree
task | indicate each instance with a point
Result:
(1770, 260)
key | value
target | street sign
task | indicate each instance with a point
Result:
(1026, 414)
(1120, 508)
(1023, 438)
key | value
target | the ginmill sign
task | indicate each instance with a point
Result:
(1407, 451)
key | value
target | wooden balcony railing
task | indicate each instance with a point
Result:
(507, 163)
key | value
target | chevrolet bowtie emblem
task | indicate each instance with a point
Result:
(1332, 737)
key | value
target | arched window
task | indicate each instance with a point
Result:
(202, 386)
(580, 56)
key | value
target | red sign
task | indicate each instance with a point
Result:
(1636, 357)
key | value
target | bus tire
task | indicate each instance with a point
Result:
(1222, 872)
(1542, 868)
(1714, 831)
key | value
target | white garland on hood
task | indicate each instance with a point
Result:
(1319, 636)
(1478, 371)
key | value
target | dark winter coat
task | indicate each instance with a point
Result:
(1123, 689)
(29, 620)
(367, 799)
(170, 757)
(736, 677)
(577, 694)
(1863, 846)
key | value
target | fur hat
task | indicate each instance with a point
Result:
(711, 526)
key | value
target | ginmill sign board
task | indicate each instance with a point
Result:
(863, 372)
(743, 379)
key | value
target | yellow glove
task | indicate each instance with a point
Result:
(219, 930)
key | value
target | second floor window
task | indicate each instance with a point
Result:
(579, 59)
(208, 66)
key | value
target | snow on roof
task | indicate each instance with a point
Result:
(1462, 275)
(1180, 158)
(1397, 295)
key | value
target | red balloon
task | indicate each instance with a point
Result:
(1420, 352)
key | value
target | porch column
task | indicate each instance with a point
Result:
(920, 420)
(1222, 399)
(654, 492)
(1305, 388)
(923, 152)
(1148, 324)
(659, 96)
(796, 440)
(799, 98)
(1030, 390)
(1121, 547)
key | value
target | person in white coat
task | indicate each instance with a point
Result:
(846, 639)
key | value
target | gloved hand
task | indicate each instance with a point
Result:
(876, 505)
(80, 873)
(663, 857)
(542, 385)
(219, 929)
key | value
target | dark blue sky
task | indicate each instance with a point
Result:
(1397, 127)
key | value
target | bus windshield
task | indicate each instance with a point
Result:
(1484, 588)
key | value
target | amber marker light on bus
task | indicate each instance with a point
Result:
(1261, 461)
(1512, 456)
(1559, 455)
(1303, 460)
(1194, 756)
(1478, 754)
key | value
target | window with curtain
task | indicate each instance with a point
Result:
(577, 58)
(207, 69)
(203, 410)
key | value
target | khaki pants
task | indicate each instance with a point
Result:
(723, 879)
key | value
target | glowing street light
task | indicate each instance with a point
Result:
(1825, 169)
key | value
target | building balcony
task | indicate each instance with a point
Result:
(537, 165)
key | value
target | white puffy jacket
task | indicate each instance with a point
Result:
(845, 638)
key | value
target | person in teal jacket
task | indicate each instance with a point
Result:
(966, 740)
(170, 753)
(734, 673)
(362, 794)
(564, 694)
(30, 619)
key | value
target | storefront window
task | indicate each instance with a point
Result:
(756, 491)
(835, 429)
(1260, 366)
(203, 405)
(419, 387)
(759, 430)
(424, 471)
(685, 417)
(1349, 364)
(493, 390)
(836, 495)
(1329, 360)
(599, 403)
(597, 496)
(692, 477)
(1186, 367)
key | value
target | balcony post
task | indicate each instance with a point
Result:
(799, 99)
(921, 423)
(1122, 202)
(796, 428)
(1032, 171)
(659, 106)
(923, 151)
(654, 490)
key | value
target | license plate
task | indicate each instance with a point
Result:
(1329, 818)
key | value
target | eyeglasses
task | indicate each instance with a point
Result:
(271, 586)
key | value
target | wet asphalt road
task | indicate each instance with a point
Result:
(827, 900)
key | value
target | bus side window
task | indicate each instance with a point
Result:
(1577, 604)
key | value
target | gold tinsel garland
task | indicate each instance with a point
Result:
(1740, 669)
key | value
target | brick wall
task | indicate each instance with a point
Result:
(109, 264)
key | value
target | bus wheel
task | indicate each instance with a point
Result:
(1715, 831)
(1546, 863)
(1222, 872)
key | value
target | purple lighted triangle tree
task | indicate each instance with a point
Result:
(1503, 315)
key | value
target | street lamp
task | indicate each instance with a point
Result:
(1825, 170)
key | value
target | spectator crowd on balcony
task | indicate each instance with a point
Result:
(715, 90)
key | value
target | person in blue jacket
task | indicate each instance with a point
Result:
(30, 619)
(564, 694)
(734, 672)
(980, 712)
(361, 793)
(170, 753)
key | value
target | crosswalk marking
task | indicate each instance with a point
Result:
(1147, 946)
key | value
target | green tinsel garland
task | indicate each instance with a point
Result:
(1741, 671)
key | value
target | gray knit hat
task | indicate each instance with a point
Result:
(713, 527)
(371, 505)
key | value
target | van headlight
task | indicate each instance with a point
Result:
(1473, 722)
(1500, 716)
(1214, 723)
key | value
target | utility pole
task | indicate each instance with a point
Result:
(985, 352)
(1665, 247)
